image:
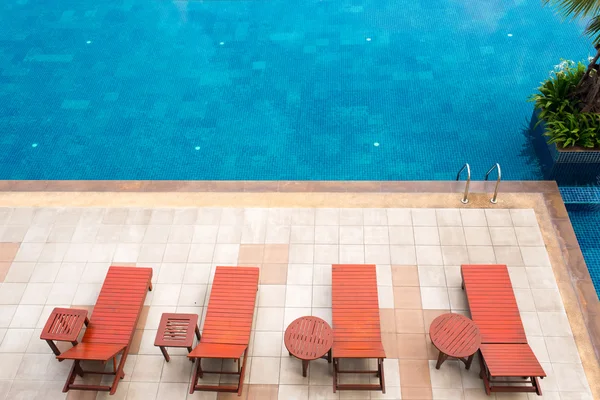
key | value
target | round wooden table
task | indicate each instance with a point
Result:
(455, 336)
(309, 338)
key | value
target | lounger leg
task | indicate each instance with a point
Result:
(328, 356)
(150, 286)
(469, 361)
(304, 367)
(381, 376)
(483, 374)
(195, 376)
(164, 353)
(242, 373)
(71, 376)
(335, 374)
(119, 374)
(198, 333)
(536, 385)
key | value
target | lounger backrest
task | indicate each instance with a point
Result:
(493, 304)
(355, 304)
(119, 305)
(231, 306)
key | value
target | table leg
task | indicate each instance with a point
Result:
(165, 354)
(469, 361)
(53, 347)
(304, 367)
(441, 358)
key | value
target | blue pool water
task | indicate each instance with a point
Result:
(586, 222)
(158, 89)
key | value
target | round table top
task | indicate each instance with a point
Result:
(455, 335)
(308, 338)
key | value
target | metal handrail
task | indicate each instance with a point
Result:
(465, 198)
(494, 200)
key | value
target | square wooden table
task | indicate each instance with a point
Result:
(176, 330)
(64, 325)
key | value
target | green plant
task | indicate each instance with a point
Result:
(566, 124)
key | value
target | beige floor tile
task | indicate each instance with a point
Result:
(384, 275)
(453, 276)
(409, 321)
(302, 234)
(432, 276)
(277, 234)
(547, 300)
(303, 216)
(260, 392)
(375, 216)
(321, 274)
(301, 253)
(390, 345)
(498, 217)
(265, 370)
(508, 255)
(399, 216)
(452, 236)
(205, 234)
(164, 294)
(531, 323)
(36, 293)
(523, 217)
(455, 255)
(276, 254)
(272, 295)
(407, 297)
(226, 254)
(411, 346)
(554, 324)
(13, 234)
(270, 319)
(562, 349)
(300, 274)
(142, 391)
(405, 275)
(417, 393)
(541, 277)
(377, 254)
(385, 295)
(196, 273)
(20, 272)
(171, 272)
(435, 298)
(299, 296)
(35, 234)
(199, 253)
(351, 216)
(293, 392)
(376, 235)
(403, 255)
(273, 274)
(192, 295)
(172, 391)
(414, 374)
(448, 217)
(148, 368)
(352, 235)
(267, 344)
(352, 254)
(8, 251)
(423, 217)
(293, 313)
(11, 293)
(539, 348)
(473, 217)
(290, 372)
(322, 392)
(153, 253)
(477, 236)
(387, 320)
(529, 236)
(570, 377)
(535, 256)
(327, 216)
(477, 394)
(518, 277)
(15, 341)
(458, 299)
(447, 377)
(326, 254)
(324, 313)
(321, 297)
(402, 235)
(6, 314)
(481, 254)
(503, 236)
(426, 235)
(428, 255)
(327, 235)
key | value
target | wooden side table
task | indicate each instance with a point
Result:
(64, 325)
(176, 330)
(309, 338)
(455, 336)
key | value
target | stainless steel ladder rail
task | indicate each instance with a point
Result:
(465, 198)
(494, 200)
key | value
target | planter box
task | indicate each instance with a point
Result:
(573, 166)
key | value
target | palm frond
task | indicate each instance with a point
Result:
(593, 29)
(576, 8)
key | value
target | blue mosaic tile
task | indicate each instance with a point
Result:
(586, 222)
(128, 89)
(580, 195)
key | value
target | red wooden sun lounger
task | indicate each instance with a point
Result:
(356, 327)
(504, 352)
(112, 325)
(226, 331)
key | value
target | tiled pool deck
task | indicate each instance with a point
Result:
(57, 241)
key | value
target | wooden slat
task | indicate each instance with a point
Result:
(511, 360)
(356, 324)
(493, 304)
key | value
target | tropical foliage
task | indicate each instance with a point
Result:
(567, 124)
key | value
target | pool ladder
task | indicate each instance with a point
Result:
(466, 166)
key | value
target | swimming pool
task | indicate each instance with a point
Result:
(331, 89)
